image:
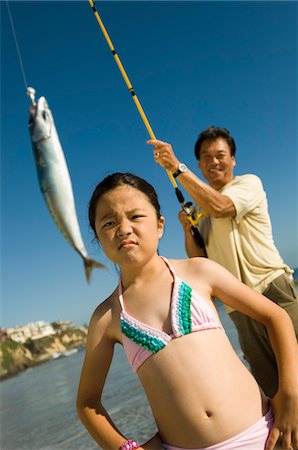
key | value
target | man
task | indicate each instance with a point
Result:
(237, 234)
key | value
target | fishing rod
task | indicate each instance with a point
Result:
(187, 207)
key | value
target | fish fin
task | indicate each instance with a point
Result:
(90, 264)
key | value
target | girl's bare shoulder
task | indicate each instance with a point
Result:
(193, 266)
(198, 272)
(106, 315)
(107, 305)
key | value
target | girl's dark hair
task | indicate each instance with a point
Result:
(121, 179)
(213, 133)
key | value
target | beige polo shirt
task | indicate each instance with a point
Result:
(244, 244)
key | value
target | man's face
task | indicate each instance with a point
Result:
(216, 163)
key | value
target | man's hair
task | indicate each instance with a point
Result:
(212, 133)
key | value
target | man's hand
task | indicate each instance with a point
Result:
(182, 216)
(164, 155)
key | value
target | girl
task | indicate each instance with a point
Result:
(200, 393)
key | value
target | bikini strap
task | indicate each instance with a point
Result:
(120, 291)
(169, 266)
(120, 295)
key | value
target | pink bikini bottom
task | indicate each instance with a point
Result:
(254, 438)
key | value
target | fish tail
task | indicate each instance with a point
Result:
(90, 264)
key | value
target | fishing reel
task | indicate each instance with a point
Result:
(191, 212)
(193, 216)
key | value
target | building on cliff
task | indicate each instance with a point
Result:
(24, 347)
(34, 330)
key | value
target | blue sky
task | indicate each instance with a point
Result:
(192, 64)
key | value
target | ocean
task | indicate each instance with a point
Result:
(37, 409)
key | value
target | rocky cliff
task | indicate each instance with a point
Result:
(15, 357)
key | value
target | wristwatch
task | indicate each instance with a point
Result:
(181, 169)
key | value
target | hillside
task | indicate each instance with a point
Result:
(16, 357)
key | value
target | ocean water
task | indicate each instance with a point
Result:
(37, 407)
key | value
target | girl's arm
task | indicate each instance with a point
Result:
(99, 354)
(282, 337)
(98, 358)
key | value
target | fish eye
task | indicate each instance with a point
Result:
(45, 115)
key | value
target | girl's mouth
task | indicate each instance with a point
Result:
(126, 243)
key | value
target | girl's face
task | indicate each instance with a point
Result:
(127, 226)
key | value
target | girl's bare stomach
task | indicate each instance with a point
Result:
(200, 392)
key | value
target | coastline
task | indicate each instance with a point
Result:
(16, 357)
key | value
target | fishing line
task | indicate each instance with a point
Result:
(17, 45)
(29, 91)
(192, 215)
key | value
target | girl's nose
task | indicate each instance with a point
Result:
(124, 228)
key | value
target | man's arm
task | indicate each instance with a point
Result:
(209, 199)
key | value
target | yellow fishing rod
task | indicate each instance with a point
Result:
(192, 215)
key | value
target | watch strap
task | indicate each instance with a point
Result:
(181, 169)
(177, 173)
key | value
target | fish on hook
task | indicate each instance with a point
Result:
(53, 176)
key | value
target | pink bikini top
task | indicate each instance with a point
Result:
(189, 313)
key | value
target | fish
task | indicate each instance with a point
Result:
(54, 178)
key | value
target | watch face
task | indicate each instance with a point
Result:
(182, 167)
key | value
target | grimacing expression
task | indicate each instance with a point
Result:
(216, 163)
(126, 225)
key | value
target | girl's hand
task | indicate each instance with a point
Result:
(153, 444)
(285, 428)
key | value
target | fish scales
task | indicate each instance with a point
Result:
(54, 179)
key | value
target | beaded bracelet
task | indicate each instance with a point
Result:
(130, 445)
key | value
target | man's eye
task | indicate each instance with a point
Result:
(205, 158)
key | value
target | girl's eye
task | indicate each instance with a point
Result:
(137, 216)
(108, 224)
